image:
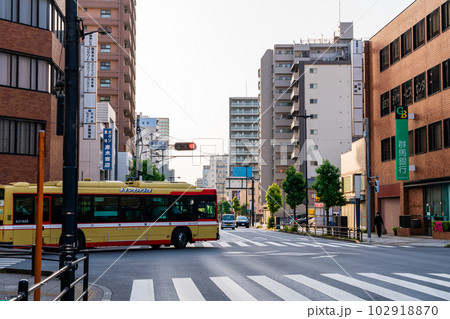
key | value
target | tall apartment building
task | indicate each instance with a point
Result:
(116, 70)
(217, 174)
(31, 62)
(244, 134)
(407, 64)
(317, 76)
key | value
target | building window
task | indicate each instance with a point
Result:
(313, 101)
(420, 138)
(447, 133)
(313, 163)
(384, 59)
(314, 132)
(105, 13)
(435, 136)
(433, 24)
(445, 15)
(445, 74)
(395, 98)
(395, 51)
(419, 87)
(434, 79)
(105, 83)
(313, 70)
(407, 97)
(105, 99)
(411, 143)
(314, 116)
(385, 150)
(384, 104)
(393, 147)
(406, 40)
(313, 85)
(419, 34)
(19, 137)
(105, 65)
(105, 48)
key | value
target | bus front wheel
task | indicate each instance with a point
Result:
(180, 238)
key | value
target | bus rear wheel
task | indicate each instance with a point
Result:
(180, 238)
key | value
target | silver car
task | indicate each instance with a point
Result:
(228, 221)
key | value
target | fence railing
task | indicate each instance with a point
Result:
(27, 252)
(335, 231)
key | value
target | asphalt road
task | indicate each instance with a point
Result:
(251, 264)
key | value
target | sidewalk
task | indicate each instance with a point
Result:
(9, 285)
(419, 241)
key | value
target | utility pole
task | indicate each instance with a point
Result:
(70, 149)
(138, 158)
(368, 185)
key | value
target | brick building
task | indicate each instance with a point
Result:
(407, 63)
(31, 61)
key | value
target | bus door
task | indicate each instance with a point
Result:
(207, 217)
(46, 214)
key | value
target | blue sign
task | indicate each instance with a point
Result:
(242, 172)
(159, 145)
(107, 148)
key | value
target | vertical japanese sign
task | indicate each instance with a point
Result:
(107, 148)
(401, 144)
(90, 86)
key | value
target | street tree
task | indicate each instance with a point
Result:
(274, 202)
(243, 211)
(149, 172)
(236, 206)
(294, 187)
(226, 207)
(328, 187)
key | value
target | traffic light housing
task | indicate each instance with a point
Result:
(185, 146)
(377, 186)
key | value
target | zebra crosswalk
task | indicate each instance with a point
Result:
(297, 287)
(8, 262)
(250, 243)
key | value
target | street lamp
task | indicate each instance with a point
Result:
(305, 116)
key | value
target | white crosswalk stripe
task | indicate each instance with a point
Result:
(224, 244)
(187, 290)
(274, 243)
(242, 244)
(207, 244)
(293, 244)
(278, 289)
(410, 285)
(387, 293)
(7, 262)
(304, 287)
(142, 290)
(326, 289)
(232, 290)
(257, 243)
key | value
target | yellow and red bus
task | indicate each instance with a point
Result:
(113, 213)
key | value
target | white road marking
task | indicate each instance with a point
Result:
(275, 244)
(207, 244)
(232, 290)
(278, 289)
(142, 290)
(426, 279)
(187, 290)
(242, 244)
(223, 244)
(331, 291)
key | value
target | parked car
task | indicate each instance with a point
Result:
(242, 221)
(228, 221)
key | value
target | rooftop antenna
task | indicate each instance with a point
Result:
(246, 89)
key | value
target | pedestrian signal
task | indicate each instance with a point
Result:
(185, 146)
(377, 186)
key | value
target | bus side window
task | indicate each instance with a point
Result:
(132, 209)
(106, 209)
(24, 210)
(57, 209)
(84, 209)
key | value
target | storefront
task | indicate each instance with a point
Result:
(436, 204)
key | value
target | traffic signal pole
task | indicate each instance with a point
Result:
(70, 149)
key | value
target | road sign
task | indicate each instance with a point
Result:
(401, 144)
(159, 145)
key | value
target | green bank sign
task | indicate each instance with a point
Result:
(401, 144)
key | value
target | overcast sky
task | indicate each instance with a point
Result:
(192, 55)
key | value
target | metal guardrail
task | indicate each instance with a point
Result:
(27, 252)
(335, 231)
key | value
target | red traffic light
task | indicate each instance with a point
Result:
(185, 146)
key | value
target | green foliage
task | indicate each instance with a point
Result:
(293, 228)
(226, 207)
(236, 205)
(271, 222)
(328, 186)
(446, 226)
(273, 198)
(244, 210)
(394, 228)
(147, 171)
(294, 186)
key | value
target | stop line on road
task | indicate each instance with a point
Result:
(303, 288)
(7, 262)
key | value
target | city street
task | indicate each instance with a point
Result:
(253, 264)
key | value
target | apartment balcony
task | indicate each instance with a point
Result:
(245, 128)
(295, 123)
(294, 139)
(295, 108)
(241, 135)
(282, 83)
(281, 109)
(282, 96)
(280, 176)
(282, 122)
(280, 149)
(294, 154)
(244, 112)
(283, 57)
(295, 93)
(283, 135)
(282, 70)
(249, 120)
(294, 79)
